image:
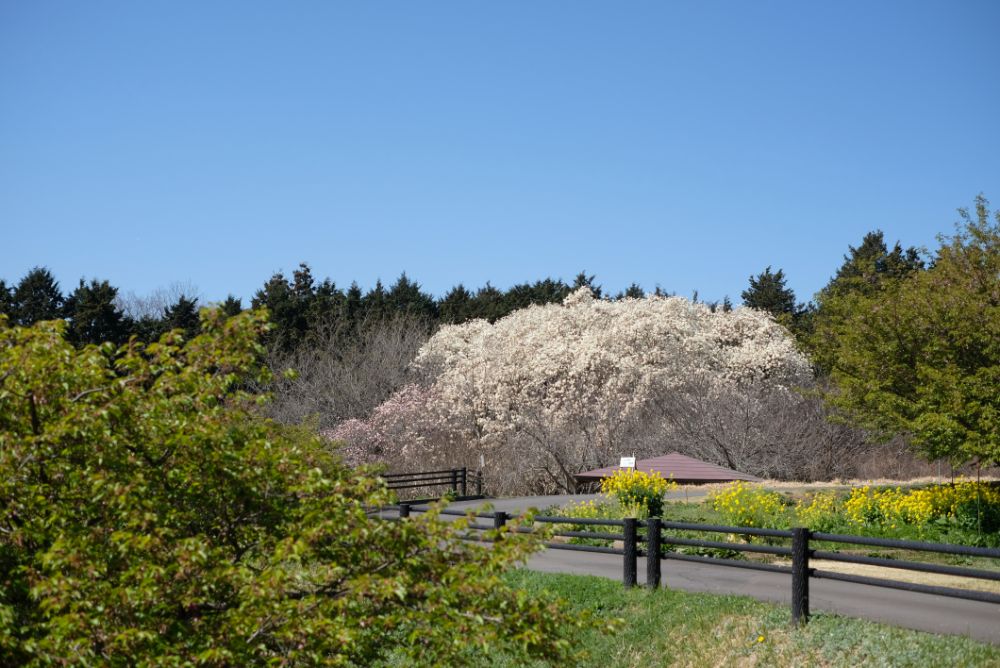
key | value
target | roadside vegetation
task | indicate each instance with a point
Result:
(963, 513)
(674, 628)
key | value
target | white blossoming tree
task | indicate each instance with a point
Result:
(551, 390)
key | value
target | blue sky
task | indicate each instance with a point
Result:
(680, 144)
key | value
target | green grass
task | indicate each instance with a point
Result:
(676, 628)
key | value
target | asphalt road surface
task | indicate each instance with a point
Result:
(924, 612)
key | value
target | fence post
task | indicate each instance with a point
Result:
(653, 552)
(454, 480)
(800, 576)
(628, 529)
(479, 482)
(465, 478)
(499, 520)
(404, 510)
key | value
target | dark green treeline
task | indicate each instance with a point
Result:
(304, 309)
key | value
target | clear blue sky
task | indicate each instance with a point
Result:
(685, 144)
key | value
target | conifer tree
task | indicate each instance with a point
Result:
(94, 316)
(866, 266)
(6, 300)
(488, 303)
(148, 328)
(582, 279)
(867, 271)
(326, 308)
(182, 314)
(302, 282)
(287, 310)
(634, 291)
(456, 306)
(768, 292)
(232, 306)
(915, 351)
(353, 302)
(374, 301)
(405, 295)
(37, 297)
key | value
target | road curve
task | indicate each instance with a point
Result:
(924, 612)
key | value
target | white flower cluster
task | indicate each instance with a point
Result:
(555, 388)
(588, 353)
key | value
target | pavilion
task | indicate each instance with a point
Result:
(681, 468)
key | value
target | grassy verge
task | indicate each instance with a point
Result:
(681, 629)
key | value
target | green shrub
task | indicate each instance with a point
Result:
(148, 516)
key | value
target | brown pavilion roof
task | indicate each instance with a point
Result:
(681, 468)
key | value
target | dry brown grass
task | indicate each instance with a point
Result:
(915, 577)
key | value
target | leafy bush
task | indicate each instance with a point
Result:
(639, 493)
(148, 516)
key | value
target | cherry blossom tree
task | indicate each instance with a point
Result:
(551, 390)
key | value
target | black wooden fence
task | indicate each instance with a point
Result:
(454, 480)
(655, 539)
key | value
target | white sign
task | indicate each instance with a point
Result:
(627, 463)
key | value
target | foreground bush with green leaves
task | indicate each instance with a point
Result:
(149, 517)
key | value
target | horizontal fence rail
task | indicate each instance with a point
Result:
(631, 538)
(456, 480)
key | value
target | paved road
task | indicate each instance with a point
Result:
(924, 612)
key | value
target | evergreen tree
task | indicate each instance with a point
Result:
(374, 302)
(231, 306)
(353, 302)
(6, 300)
(867, 266)
(456, 307)
(768, 292)
(405, 295)
(37, 297)
(867, 271)
(287, 310)
(543, 292)
(660, 292)
(327, 307)
(182, 314)
(488, 304)
(302, 282)
(94, 317)
(633, 291)
(727, 305)
(582, 279)
(917, 354)
(148, 328)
